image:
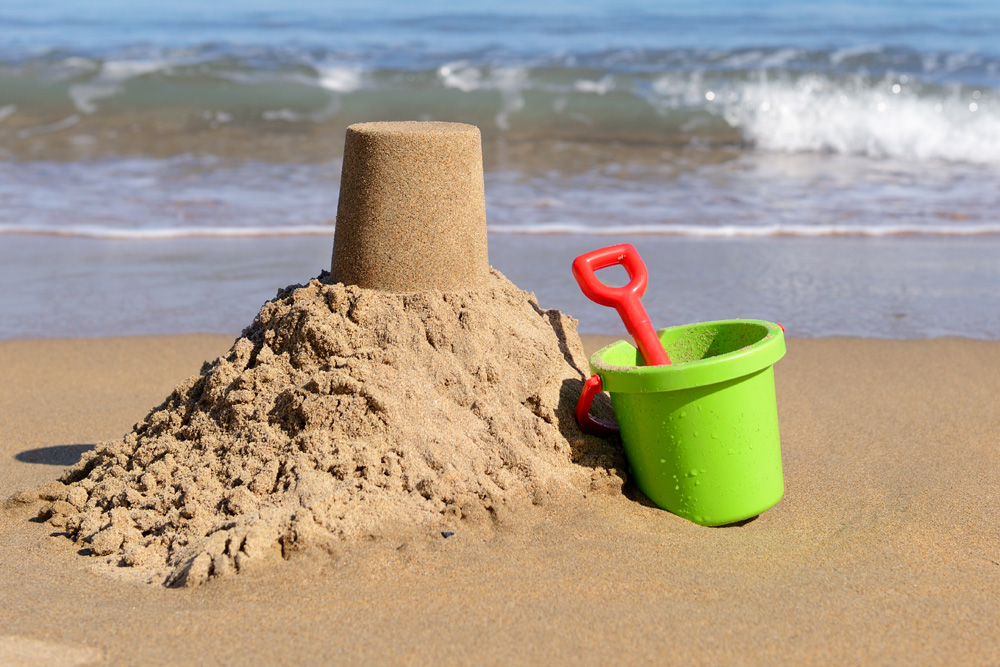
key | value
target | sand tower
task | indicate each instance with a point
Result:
(412, 215)
(412, 394)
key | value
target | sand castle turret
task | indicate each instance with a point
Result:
(412, 213)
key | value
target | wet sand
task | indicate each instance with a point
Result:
(897, 287)
(885, 547)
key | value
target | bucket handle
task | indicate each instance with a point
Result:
(623, 299)
(587, 422)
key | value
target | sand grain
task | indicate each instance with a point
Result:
(344, 414)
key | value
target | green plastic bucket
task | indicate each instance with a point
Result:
(701, 435)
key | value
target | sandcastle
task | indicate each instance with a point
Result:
(412, 390)
(412, 211)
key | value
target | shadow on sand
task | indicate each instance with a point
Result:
(56, 455)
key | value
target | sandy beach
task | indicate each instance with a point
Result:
(385, 467)
(884, 548)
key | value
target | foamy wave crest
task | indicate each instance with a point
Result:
(749, 231)
(883, 119)
(555, 228)
(340, 79)
(165, 233)
(510, 82)
(872, 101)
(108, 81)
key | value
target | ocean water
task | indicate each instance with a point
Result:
(834, 167)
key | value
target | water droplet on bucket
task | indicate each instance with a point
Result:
(715, 436)
(697, 482)
(663, 460)
(693, 473)
(682, 414)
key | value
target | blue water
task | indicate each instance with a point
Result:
(758, 122)
(519, 28)
(905, 79)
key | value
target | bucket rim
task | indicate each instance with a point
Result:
(700, 372)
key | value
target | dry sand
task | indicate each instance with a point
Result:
(343, 415)
(886, 547)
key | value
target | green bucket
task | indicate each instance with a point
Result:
(701, 435)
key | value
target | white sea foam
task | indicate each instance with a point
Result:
(108, 80)
(742, 59)
(756, 59)
(602, 86)
(340, 79)
(510, 82)
(749, 231)
(7, 111)
(284, 114)
(779, 58)
(840, 55)
(123, 70)
(673, 91)
(84, 95)
(460, 75)
(817, 114)
(164, 233)
(555, 228)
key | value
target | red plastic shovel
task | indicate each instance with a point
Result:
(626, 301)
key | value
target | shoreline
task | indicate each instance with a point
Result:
(896, 288)
(883, 548)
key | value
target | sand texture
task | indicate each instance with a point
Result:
(343, 414)
(412, 209)
(885, 548)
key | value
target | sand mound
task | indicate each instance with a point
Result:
(343, 414)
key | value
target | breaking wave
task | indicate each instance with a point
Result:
(870, 101)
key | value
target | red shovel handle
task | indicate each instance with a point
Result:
(623, 299)
(588, 423)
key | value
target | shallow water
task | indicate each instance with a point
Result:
(911, 287)
(835, 166)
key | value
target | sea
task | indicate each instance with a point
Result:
(832, 166)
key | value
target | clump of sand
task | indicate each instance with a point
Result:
(344, 414)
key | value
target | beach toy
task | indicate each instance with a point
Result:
(701, 433)
(626, 300)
